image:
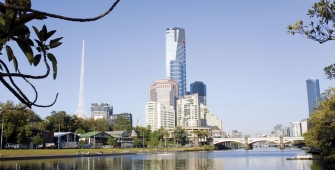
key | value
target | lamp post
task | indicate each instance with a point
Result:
(94, 137)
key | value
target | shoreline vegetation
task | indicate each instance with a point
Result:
(7, 154)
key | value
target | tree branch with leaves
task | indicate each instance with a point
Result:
(14, 15)
(320, 30)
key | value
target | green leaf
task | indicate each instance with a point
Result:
(38, 43)
(49, 34)
(37, 33)
(37, 59)
(10, 18)
(26, 49)
(30, 42)
(43, 33)
(24, 18)
(2, 23)
(15, 63)
(9, 53)
(55, 42)
(52, 58)
(54, 66)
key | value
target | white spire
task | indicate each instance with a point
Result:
(81, 104)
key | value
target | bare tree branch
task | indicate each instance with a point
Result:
(59, 16)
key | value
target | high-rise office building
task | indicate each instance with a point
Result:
(295, 130)
(158, 115)
(304, 125)
(278, 130)
(188, 111)
(101, 111)
(161, 108)
(313, 94)
(200, 88)
(127, 116)
(176, 57)
(164, 91)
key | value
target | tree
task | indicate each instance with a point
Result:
(322, 120)
(154, 138)
(122, 124)
(37, 139)
(14, 15)
(180, 135)
(320, 31)
(136, 141)
(17, 127)
(79, 131)
(111, 141)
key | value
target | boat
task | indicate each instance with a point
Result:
(303, 157)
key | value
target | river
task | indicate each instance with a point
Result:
(259, 158)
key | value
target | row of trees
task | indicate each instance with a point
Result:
(18, 122)
(162, 137)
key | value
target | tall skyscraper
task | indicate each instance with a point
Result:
(200, 88)
(313, 94)
(176, 57)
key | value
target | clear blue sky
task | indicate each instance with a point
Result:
(255, 73)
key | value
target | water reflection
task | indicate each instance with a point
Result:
(270, 158)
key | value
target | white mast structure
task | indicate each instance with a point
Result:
(81, 105)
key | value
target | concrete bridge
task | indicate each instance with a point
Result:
(249, 141)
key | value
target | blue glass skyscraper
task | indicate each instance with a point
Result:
(313, 94)
(176, 57)
(200, 88)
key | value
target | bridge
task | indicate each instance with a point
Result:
(249, 141)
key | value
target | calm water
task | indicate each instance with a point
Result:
(259, 158)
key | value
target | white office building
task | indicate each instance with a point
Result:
(295, 129)
(160, 110)
(159, 115)
(188, 113)
(304, 125)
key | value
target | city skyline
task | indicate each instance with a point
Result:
(256, 79)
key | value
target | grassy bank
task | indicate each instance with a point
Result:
(41, 152)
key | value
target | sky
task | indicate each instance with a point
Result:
(254, 71)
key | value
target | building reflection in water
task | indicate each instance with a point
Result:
(169, 161)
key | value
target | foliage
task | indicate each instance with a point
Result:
(14, 15)
(17, 121)
(144, 133)
(154, 138)
(322, 121)
(68, 123)
(180, 135)
(136, 141)
(79, 131)
(37, 139)
(322, 30)
(111, 141)
(82, 143)
(122, 124)
(208, 147)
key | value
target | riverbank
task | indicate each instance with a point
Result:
(20, 154)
